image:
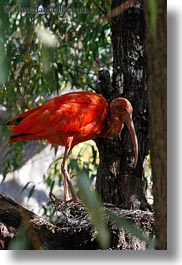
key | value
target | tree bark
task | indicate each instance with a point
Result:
(156, 45)
(117, 181)
(72, 229)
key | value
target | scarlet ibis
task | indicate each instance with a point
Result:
(73, 118)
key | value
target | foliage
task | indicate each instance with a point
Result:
(83, 158)
(21, 241)
(94, 208)
(42, 53)
(153, 15)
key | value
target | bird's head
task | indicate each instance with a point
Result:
(123, 109)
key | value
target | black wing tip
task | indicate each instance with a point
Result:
(15, 121)
(19, 135)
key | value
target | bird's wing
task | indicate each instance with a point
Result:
(79, 114)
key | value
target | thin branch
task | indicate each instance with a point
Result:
(119, 9)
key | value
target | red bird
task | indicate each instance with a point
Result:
(73, 118)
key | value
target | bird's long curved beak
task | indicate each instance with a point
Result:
(131, 128)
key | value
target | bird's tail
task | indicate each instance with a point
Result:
(18, 130)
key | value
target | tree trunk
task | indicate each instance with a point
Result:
(157, 89)
(117, 181)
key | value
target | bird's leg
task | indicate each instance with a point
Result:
(67, 180)
(64, 169)
(65, 174)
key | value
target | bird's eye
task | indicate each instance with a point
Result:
(124, 109)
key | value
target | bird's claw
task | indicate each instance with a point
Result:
(73, 201)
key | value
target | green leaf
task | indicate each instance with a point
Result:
(20, 242)
(25, 186)
(153, 15)
(151, 245)
(52, 185)
(94, 209)
(31, 192)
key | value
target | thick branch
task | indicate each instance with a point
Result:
(68, 233)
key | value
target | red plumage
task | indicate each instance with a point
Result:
(78, 114)
(70, 119)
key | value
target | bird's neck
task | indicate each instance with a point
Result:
(113, 125)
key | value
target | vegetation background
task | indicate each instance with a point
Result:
(44, 53)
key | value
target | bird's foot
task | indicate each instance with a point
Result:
(74, 200)
(59, 203)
